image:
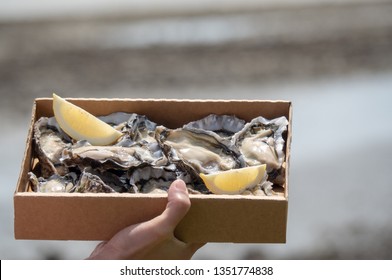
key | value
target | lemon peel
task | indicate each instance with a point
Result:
(234, 181)
(81, 125)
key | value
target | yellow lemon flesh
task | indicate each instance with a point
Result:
(81, 125)
(234, 181)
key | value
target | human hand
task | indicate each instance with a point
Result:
(153, 239)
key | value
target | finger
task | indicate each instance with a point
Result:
(176, 208)
(162, 226)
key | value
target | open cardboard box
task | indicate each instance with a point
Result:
(212, 218)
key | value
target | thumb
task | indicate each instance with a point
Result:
(176, 208)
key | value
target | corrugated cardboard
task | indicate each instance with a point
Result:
(212, 218)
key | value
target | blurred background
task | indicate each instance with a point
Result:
(332, 59)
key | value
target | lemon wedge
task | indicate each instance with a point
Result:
(81, 125)
(234, 181)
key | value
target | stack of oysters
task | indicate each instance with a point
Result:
(148, 157)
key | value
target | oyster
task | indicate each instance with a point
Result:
(223, 125)
(115, 179)
(157, 178)
(91, 183)
(71, 182)
(49, 144)
(108, 157)
(54, 183)
(141, 132)
(197, 151)
(148, 178)
(141, 128)
(261, 141)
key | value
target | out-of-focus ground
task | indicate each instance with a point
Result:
(332, 60)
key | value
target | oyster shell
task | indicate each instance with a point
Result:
(108, 157)
(142, 132)
(116, 179)
(223, 125)
(261, 141)
(197, 151)
(49, 144)
(116, 119)
(141, 128)
(91, 183)
(54, 183)
(151, 178)
(148, 178)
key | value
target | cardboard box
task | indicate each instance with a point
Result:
(212, 218)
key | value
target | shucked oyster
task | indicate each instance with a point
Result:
(115, 179)
(152, 178)
(108, 157)
(197, 151)
(86, 182)
(261, 141)
(140, 131)
(149, 178)
(49, 144)
(141, 128)
(92, 183)
(54, 183)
